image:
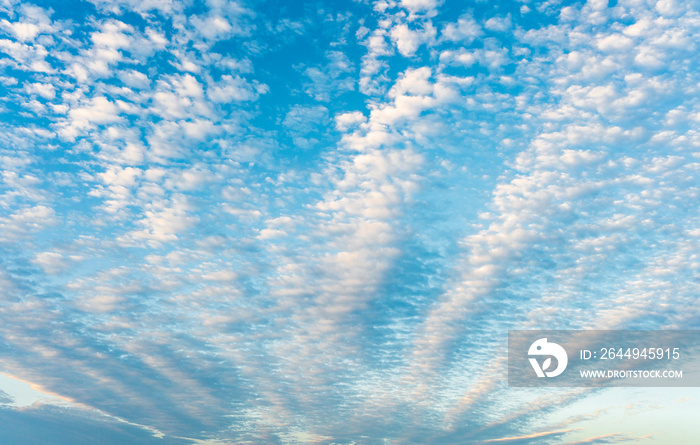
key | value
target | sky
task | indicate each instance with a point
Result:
(230, 222)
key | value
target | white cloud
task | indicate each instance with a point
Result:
(412, 94)
(190, 179)
(466, 29)
(179, 96)
(135, 79)
(221, 276)
(26, 221)
(408, 41)
(45, 90)
(21, 31)
(212, 27)
(27, 57)
(420, 5)
(500, 24)
(111, 35)
(371, 78)
(346, 120)
(671, 8)
(235, 89)
(330, 80)
(163, 222)
(142, 7)
(35, 21)
(101, 303)
(461, 57)
(614, 42)
(53, 263)
(98, 110)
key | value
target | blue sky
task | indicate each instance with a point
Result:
(315, 222)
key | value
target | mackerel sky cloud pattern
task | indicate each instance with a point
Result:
(286, 222)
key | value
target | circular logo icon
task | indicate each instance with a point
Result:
(547, 349)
